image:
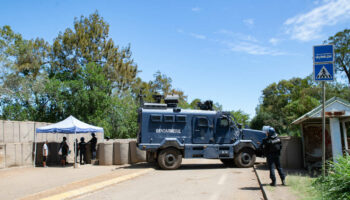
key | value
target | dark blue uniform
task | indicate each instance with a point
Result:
(272, 148)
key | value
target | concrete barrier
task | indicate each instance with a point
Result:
(2, 128)
(8, 132)
(27, 157)
(2, 156)
(132, 149)
(124, 153)
(141, 155)
(10, 150)
(105, 153)
(116, 153)
(18, 154)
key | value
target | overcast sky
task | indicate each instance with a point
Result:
(226, 51)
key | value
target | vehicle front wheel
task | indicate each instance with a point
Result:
(245, 158)
(170, 158)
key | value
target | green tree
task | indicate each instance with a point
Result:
(241, 117)
(89, 42)
(341, 41)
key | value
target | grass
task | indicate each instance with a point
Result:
(302, 186)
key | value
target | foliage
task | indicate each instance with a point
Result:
(341, 41)
(302, 187)
(241, 117)
(285, 101)
(336, 184)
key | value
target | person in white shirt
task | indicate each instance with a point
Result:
(45, 153)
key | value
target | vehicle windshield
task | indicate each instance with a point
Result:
(233, 121)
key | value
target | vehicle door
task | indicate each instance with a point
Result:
(202, 130)
(223, 133)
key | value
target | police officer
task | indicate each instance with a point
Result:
(272, 148)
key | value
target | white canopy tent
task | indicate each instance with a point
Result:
(71, 125)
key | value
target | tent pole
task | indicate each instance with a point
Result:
(75, 147)
(34, 144)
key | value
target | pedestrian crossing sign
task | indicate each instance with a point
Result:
(324, 72)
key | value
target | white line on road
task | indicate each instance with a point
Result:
(222, 179)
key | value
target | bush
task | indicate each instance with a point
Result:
(336, 184)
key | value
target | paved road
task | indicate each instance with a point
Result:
(196, 179)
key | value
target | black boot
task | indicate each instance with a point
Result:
(273, 183)
(283, 182)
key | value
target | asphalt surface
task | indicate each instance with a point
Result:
(196, 179)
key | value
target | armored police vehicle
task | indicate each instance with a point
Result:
(168, 134)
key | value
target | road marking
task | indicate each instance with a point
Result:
(93, 187)
(222, 179)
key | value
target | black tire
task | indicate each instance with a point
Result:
(228, 162)
(245, 158)
(169, 159)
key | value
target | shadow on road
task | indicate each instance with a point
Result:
(201, 166)
(182, 167)
(250, 188)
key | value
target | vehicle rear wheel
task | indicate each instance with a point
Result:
(228, 162)
(170, 158)
(245, 158)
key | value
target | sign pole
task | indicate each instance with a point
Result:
(323, 129)
(323, 59)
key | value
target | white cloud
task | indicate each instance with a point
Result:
(254, 49)
(198, 36)
(244, 43)
(308, 26)
(274, 41)
(196, 9)
(248, 22)
(239, 36)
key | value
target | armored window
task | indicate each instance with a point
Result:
(169, 118)
(224, 122)
(203, 122)
(156, 118)
(181, 118)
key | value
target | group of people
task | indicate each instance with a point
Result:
(64, 150)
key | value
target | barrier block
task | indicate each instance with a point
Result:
(18, 154)
(2, 156)
(26, 131)
(8, 132)
(116, 153)
(27, 158)
(10, 153)
(2, 131)
(141, 155)
(105, 153)
(124, 153)
(132, 149)
(16, 132)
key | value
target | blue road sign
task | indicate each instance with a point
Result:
(324, 72)
(323, 53)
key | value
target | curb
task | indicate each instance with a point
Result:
(261, 186)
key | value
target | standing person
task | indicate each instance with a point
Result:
(82, 148)
(45, 153)
(93, 143)
(64, 148)
(76, 147)
(272, 149)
